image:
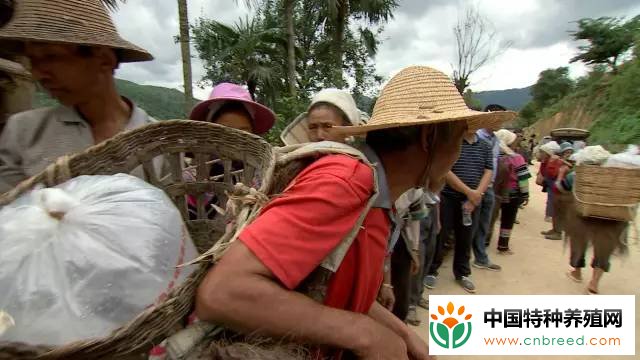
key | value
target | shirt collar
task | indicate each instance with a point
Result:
(384, 195)
(138, 116)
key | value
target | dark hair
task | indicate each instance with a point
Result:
(494, 107)
(399, 139)
(231, 106)
(337, 110)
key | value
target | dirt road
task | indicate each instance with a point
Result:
(538, 267)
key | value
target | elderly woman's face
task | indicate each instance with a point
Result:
(321, 120)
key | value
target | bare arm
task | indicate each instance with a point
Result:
(240, 292)
(485, 181)
(457, 184)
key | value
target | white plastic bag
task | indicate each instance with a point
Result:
(629, 159)
(82, 259)
(591, 155)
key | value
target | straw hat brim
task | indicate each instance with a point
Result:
(475, 119)
(13, 68)
(127, 52)
(263, 121)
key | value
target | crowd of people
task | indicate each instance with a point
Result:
(439, 174)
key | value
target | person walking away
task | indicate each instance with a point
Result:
(410, 146)
(466, 184)
(75, 66)
(517, 184)
(481, 239)
(606, 236)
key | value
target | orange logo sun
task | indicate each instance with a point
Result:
(450, 321)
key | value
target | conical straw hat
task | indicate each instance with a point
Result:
(81, 22)
(420, 95)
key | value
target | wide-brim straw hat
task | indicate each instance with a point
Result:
(420, 95)
(13, 68)
(79, 22)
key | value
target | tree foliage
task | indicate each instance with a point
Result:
(552, 85)
(608, 39)
(253, 52)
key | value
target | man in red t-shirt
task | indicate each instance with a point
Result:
(252, 288)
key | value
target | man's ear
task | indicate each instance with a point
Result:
(108, 61)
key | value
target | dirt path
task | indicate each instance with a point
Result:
(538, 267)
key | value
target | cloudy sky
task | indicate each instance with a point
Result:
(420, 33)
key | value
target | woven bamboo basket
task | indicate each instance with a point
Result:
(607, 192)
(138, 148)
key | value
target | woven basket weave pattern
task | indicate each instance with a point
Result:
(607, 192)
(122, 154)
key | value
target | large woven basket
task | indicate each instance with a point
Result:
(170, 140)
(607, 192)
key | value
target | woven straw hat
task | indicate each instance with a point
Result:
(13, 68)
(81, 22)
(420, 95)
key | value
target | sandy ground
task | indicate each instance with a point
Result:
(538, 267)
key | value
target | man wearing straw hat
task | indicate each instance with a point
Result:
(413, 139)
(74, 50)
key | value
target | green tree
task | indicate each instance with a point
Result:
(340, 13)
(245, 53)
(552, 85)
(471, 101)
(609, 39)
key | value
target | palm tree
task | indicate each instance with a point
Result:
(289, 8)
(340, 11)
(245, 52)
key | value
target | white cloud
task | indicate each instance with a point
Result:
(420, 33)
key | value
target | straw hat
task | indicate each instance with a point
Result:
(420, 95)
(506, 138)
(13, 68)
(81, 22)
(297, 131)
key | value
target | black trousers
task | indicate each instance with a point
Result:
(401, 278)
(451, 219)
(508, 215)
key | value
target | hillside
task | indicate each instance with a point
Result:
(605, 103)
(161, 103)
(512, 99)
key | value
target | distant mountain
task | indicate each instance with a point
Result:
(159, 102)
(512, 99)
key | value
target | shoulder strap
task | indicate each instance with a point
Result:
(313, 150)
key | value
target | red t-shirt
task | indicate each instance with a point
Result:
(296, 231)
